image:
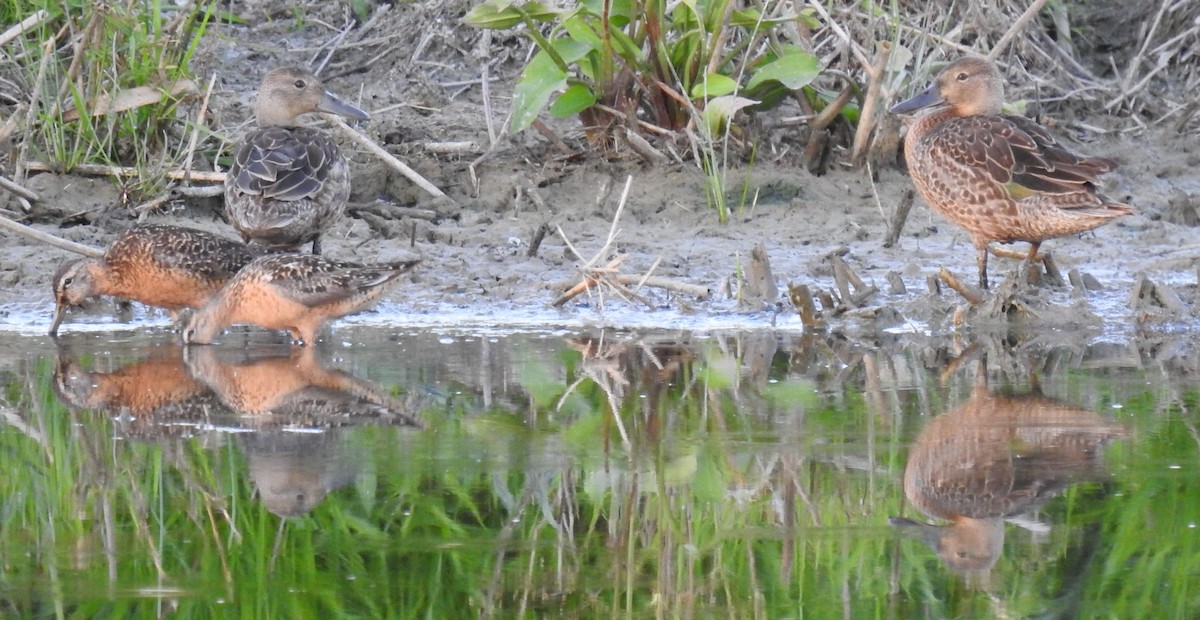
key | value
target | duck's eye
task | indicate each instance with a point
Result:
(300, 84)
(962, 77)
(68, 281)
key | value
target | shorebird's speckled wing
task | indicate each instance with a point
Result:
(194, 252)
(311, 281)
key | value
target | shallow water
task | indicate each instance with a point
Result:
(451, 472)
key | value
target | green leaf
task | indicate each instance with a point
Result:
(580, 30)
(540, 79)
(501, 14)
(714, 85)
(720, 110)
(620, 12)
(794, 69)
(576, 99)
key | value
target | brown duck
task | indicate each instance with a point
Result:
(993, 459)
(296, 292)
(1001, 177)
(287, 183)
(165, 266)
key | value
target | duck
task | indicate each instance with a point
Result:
(287, 183)
(296, 292)
(1000, 177)
(997, 458)
(160, 265)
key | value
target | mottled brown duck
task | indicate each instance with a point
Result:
(1001, 177)
(287, 182)
(296, 292)
(993, 459)
(165, 266)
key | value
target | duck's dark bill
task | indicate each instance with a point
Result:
(333, 105)
(924, 99)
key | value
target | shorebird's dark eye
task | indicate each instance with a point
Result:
(300, 84)
(962, 77)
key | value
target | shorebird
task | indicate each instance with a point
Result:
(296, 292)
(1001, 177)
(287, 183)
(165, 266)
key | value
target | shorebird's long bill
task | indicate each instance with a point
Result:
(60, 311)
(330, 103)
(924, 99)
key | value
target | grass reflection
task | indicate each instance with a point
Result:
(596, 475)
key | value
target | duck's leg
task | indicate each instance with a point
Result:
(1033, 251)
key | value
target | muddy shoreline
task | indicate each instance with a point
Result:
(475, 246)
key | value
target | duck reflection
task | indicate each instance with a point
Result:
(997, 458)
(292, 472)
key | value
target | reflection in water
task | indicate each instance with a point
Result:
(145, 396)
(290, 387)
(993, 459)
(593, 475)
(293, 472)
(298, 407)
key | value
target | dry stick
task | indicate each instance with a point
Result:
(27, 24)
(191, 149)
(1136, 59)
(932, 35)
(1029, 14)
(855, 49)
(57, 242)
(126, 171)
(612, 229)
(899, 217)
(19, 168)
(646, 277)
(23, 192)
(485, 88)
(387, 157)
(969, 293)
(866, 122)
(536, 242)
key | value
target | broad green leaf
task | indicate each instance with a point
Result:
(794, 69)
(714, 85)
(746, 18)
(580, 30)
(620, 12)
(576, 99)
(720, 110)
(501, 14)
(540, 78)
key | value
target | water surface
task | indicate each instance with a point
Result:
(448, 473)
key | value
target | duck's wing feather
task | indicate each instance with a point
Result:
(1017, 154)
(284, 163)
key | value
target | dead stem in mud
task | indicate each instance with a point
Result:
(609, 278)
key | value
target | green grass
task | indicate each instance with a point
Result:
(115, 47)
